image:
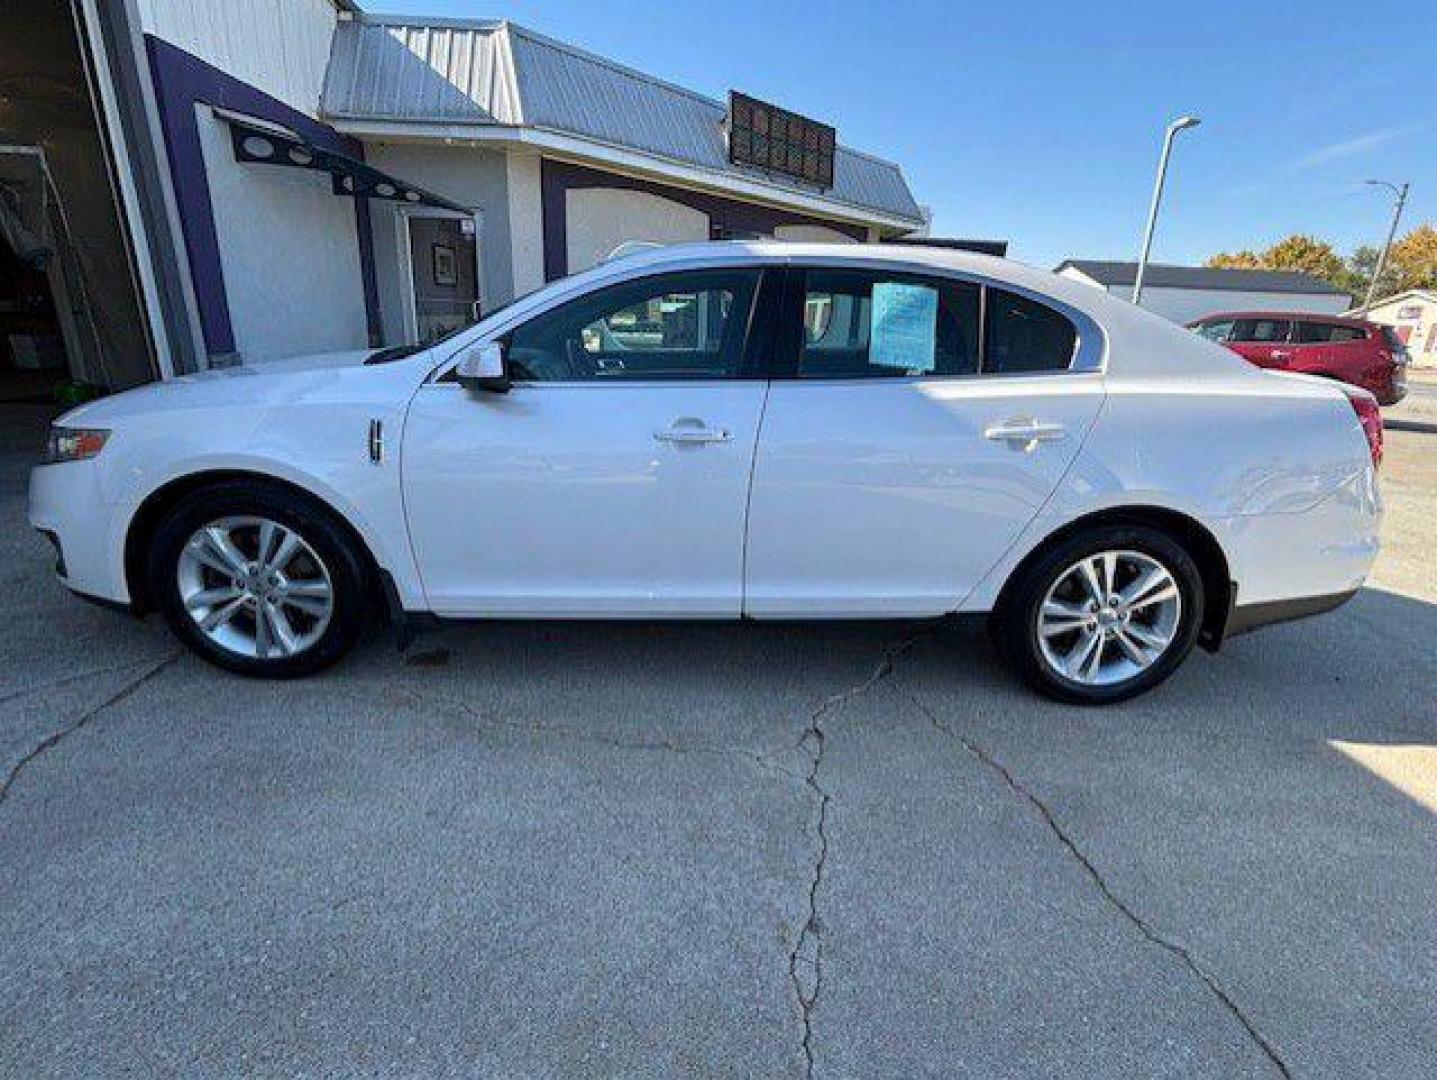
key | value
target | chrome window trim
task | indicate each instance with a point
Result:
(1089, 353)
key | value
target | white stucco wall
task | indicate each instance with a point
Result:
(600, 219)
(812, 234)
(526, 223)
(1414, 317)
(289, 251)
(279, 46)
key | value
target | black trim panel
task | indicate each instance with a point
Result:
(1252, 616)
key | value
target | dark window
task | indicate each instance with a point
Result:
(670, 326)
(1393, 340)
(867, 324)
(1311, 333)
(1024, 335)
(1305, 332)
(1260, 331)
(1216, 331)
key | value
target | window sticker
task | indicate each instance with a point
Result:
(904, 327)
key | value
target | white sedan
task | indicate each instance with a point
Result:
(723, 431)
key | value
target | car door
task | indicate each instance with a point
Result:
(919, 424)
(611, 480)
(1263, 341)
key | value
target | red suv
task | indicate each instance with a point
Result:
(1362, 353)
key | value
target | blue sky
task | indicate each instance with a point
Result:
(1040, 121)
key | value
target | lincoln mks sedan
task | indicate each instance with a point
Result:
(737, 430)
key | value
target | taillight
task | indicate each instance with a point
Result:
(1370, 417)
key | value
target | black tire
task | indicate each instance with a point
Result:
(314, 524)
(1015, 622)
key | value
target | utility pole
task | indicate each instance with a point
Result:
(1177, 125)
(1401, 193)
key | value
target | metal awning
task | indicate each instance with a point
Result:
(262, 143)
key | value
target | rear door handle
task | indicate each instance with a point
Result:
(1024, 434)
(690, 430)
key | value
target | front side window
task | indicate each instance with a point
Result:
(1261, 331)
(671, 326)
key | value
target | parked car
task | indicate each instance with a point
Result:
(1354, 351)
(800, 432)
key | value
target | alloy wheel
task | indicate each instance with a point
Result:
(255, 587)
(1109, 617)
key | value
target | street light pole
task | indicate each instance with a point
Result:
(1401, 193)
(1177, 125)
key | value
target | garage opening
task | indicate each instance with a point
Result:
(71, 322)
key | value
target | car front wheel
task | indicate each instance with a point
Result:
(1103, 616)
(258, 581)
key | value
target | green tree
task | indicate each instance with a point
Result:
(1305, 254)
(1242, 260)
(1414, 259)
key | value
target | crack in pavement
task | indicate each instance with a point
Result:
(66, 680)
(761, 759)
(56, 737)
(1143, 927)
(805, 962)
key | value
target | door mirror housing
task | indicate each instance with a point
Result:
(482, 367)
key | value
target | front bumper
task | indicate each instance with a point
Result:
(68, 505)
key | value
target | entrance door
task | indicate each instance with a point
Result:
(443, 274)
(611, 480)
(924, 422)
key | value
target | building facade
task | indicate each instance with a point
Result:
(1413, 318)
(1185, 293)
(291, 176)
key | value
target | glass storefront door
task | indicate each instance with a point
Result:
(444, 274)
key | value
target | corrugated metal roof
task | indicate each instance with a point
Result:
(1165, 276)
(385, 68)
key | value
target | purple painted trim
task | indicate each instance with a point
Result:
(180, 80)
(726, 216)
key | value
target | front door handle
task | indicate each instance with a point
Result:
(1025, 434)
(690, 430)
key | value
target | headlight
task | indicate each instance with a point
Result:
(74, 444)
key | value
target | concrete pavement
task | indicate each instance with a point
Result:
(623, 850)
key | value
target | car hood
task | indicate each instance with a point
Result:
(251, 382)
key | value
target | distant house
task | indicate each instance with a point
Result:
(1184, 293)
(1413, 318)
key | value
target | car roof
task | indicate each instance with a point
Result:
(1294, 316)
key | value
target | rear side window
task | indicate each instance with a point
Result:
(1024, 335)
(1310, 333)
(1260, 330)
(860, 324)
(1216, 331)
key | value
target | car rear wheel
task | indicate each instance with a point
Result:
(1102, 616)
(258, 580)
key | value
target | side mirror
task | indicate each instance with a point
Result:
(482, 368)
